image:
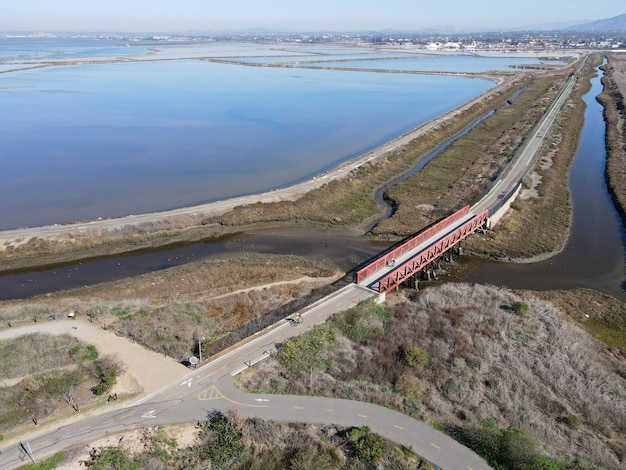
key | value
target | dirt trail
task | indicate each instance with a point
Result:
(145, 368)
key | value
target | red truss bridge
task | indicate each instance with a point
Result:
(408, 259)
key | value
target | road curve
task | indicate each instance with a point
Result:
(189, 398)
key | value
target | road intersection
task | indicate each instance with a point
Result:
(211, 387)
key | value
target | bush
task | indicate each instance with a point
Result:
(367, 446)
(223, 443)
(308, 351)
(114, 457)
(91, 354)
(410, 386)
(415, 357)
(519, 307)
(106, 372)
(572, 421)
(511, 448)
(492, 383)
(48, 464)
(362, 321)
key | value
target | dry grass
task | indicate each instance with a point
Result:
(469, 165)
(601, 315)
(489, 359)
(167, 311)
(613, 99)
(35, 353)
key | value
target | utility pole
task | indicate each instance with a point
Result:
(200, 347)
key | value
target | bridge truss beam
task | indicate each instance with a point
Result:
(434, 251)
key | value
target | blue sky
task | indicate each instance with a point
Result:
(294, 15)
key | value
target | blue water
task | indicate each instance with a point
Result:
(111, 139)
(45, 48)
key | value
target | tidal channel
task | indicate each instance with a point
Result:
(593, 255)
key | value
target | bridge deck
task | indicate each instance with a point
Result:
(406, 257)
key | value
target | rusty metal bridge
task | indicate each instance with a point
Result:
(408, 259)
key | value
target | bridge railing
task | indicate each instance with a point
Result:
(389, 258)
(434, 251)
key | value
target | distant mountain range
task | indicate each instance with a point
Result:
(615, 24)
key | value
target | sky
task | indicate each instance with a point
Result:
(295, 15)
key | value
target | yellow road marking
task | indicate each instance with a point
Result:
(126, 416)
(212, 393)
(330, 411)
(399, 427)
(435, 446)
(86, 427)
(169, 396)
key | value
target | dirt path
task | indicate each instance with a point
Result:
(145, 371)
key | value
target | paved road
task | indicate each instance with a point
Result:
(211, 387)
(510, 177)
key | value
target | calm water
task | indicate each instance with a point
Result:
(77, 136)
(594, 253)
(111, 139)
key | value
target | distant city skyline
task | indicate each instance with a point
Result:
(296, 15)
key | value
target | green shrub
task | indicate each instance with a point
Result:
(74, 350)
(572, 421)
(308, 351)
(58, 386)
(511, 448)
(48, 464)
(106, 372)
(519, 307)
(367, 446)
(415, 357)
(492, 383)
(362, 321)
(91, 354)
(223, 443)
(115, 457)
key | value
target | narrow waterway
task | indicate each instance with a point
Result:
(594, 253)
(380, 195)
